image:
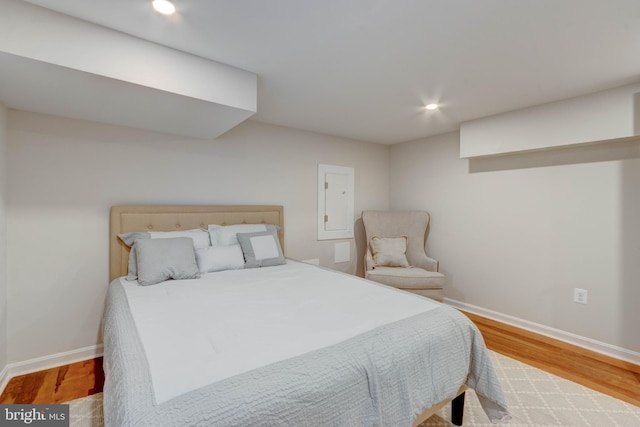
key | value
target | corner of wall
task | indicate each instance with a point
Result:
(3, 247)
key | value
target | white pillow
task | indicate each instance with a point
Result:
(218, 258)
(227, 235)
(390, 251)
(213, 236)
(200, 237)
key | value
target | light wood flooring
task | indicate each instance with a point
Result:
(604, 374)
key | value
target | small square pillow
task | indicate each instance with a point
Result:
(163, 259)
(200, 240)
(226, 235)
(218, 258)
(390, 251)
(261, 249)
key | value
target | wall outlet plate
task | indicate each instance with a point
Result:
(580, 296)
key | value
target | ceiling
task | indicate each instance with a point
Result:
(364, 69)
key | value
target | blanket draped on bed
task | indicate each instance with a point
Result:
(384, 377)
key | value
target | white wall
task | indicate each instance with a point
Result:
(3, 244)
(65, 174)
(516, 234)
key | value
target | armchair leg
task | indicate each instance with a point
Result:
(457, 410)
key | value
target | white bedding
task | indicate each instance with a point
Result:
(231, 322)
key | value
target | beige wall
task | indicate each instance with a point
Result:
(3, 244)
(65, 174)
(516, 234)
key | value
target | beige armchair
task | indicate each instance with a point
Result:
(422, 276)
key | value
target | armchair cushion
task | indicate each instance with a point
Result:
(406, 278)
(389, 251)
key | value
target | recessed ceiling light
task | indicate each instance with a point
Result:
(431, 106)
(164, 6)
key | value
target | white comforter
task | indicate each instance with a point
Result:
(197, 332)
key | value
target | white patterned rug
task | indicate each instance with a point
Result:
(535, 398)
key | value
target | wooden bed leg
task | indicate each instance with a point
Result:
(457, 409)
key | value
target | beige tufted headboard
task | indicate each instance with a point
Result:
(125, 219)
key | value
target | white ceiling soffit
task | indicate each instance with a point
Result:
(607, 116)
(363, 69)
(68, 67)
(30, 85)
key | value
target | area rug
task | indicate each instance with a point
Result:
(535, 398)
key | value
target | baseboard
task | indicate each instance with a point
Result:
(568, 337)
(47, 362)
(4, 378)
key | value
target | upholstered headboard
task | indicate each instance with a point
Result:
(125, 219)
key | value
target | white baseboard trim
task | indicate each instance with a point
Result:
(568, 337)
(47, 362)
(4, 378)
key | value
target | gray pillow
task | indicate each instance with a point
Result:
(200, 240)
(261, 249)
(163, 259)
(129, 239)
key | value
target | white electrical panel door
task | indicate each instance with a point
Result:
(335, 202)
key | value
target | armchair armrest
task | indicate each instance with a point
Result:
(368, 261)
(427, 263)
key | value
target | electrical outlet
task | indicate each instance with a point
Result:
(580, 295)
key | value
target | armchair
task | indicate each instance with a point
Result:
(422, 276)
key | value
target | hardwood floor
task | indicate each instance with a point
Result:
(56, 385)
(605, 374)
(601, 373)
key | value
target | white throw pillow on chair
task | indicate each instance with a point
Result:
(390, 251)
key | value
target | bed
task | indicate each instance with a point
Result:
(284, 345)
